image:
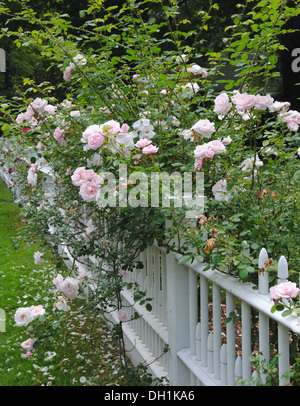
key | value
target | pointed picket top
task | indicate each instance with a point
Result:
(283, 270)
(263, 277)
(2, 61)
(238, 367)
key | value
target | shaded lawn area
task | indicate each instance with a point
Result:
(78, 351)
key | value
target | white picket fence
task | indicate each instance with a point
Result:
(189, 307)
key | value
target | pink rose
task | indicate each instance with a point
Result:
(286, 290)
(90, 130)
(37, 310)
(279, 106)
(79, 176)
(28, 344)
(204, 127)
(88, 191)
(198, 164)
(58, 281)
(111, 127)
(209, 153)
(123, 316)
(142, 143)
(68, 73)
(150, 149)
(69, 287)
(23, 316)
(200, 151)
(39, 105)
(291, 119)
(263, 102)
(95, 141)
(217, 146)
(20, 118)
(222, 104)
(59, 136)
(244, 101)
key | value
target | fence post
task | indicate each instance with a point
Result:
(177, 320)
(283, 332)
(263, 277)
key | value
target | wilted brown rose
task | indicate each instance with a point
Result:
(210, 245)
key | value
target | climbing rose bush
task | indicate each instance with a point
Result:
(151, 111)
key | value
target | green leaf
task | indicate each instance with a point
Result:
(287, 312)
(185, 259)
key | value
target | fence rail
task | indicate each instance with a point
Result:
(191, 305)
(191, 309)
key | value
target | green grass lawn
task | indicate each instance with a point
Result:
(78, 349)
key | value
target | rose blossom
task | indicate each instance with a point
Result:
(68, 73)
(280, 106)
(143, 142)
(31, 175)
(20, 118)
(38, 257)
(204, 127)
(90, 130)
(291, 119)
(59, 136)
(39, 105)
(198, 163)
(88, 191)
(243, 101)
(123, 316)
(23, 316)
(227, 140)
(69, 287)
(79, 176)
(200, 151)
(94, 141)
(28, 344)
(79, 60)
(111, 127)
(150, 149)
(61, 304)
(263, 102)
(220, 190)
(248, 163)
(222, 104)
(217, 146)
(37, 310)
(58, 281)
(286, 290)
(29, 113)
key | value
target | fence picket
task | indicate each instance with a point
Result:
(283, 270)
(246, 340)
(198, 341)
(238, 368)
(230, 332)
(193, 309)
(223, 365)
(263, 277)
(210, 353)
(204, 318)
(217, 328)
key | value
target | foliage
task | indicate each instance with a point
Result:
(128, 78)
